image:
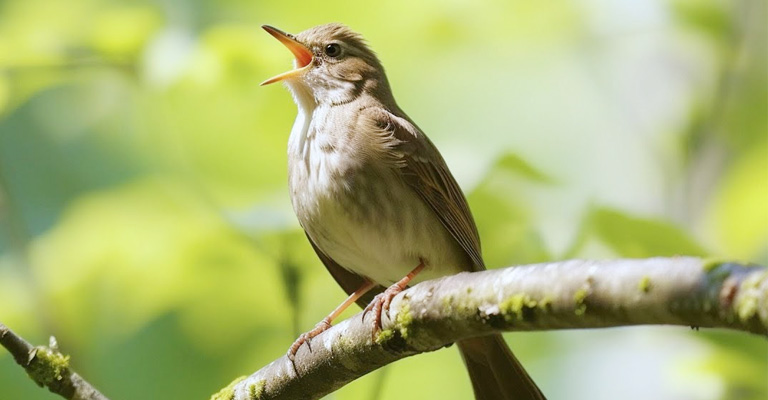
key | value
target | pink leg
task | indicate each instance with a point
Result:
(381, 302)
(326, 322)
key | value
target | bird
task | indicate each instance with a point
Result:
(375, 197)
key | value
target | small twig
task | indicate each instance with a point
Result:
(48, 368)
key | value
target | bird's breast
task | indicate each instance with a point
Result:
(334, 184)
(359, 212)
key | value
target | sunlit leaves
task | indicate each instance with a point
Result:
(123, 32)
(632, 236)
(711, 17)
(740, 361)
(122, 258)
(740, 208)
(149, 168)
(508, 231)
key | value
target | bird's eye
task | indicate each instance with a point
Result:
(333, 50)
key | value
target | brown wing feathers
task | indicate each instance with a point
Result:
(430, 179)
(424, 170)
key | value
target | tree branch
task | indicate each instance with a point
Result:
(561, 295)
(48, 368)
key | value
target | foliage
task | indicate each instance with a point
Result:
(145, 221)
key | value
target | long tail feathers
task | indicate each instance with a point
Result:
(495, 372)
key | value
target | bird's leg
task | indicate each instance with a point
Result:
(381, 302)
(326, 322)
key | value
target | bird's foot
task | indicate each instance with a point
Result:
(306, 337)
(380, 305)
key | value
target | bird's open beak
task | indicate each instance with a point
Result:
(303, 55)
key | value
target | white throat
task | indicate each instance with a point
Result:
(307, 104)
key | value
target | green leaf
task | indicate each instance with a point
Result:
(741, 361)
(513, 163)
(505, 223)
(739, 212)
(631, 236)
(711, 18)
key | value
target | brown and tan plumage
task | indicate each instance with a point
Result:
(374, 195)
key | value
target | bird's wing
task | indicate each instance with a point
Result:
(423, 169)
(349, 281)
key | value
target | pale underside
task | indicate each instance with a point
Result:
(356, 207)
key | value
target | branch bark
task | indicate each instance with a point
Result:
(561, 295)
(48, 368)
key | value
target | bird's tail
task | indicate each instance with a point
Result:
(495, 372)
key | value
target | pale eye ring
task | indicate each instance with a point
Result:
(333, 50)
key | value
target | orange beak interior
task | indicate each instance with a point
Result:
(302, 53)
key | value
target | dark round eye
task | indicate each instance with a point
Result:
(333, 50)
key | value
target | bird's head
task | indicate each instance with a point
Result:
(332, 64)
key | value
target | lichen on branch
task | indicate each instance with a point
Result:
(573, 294)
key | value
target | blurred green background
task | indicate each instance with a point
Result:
(145, 219)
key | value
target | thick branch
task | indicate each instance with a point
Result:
(571, 294)
(49, 368)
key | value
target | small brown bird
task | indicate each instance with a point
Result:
(374, 195)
